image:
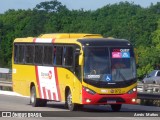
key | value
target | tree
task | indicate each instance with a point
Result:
(122, 20)
(156, 44)
(51, 6)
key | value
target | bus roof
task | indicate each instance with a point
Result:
(104, 42)
(79, 38)
(70, 35)
(60, 37)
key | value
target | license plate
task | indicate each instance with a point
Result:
(111, 101)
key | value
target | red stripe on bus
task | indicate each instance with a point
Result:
(49, 95)
(54, 96)
(34, 40)
(57, 83)
(44, 92)
(37, 78)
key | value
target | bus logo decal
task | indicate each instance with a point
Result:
(46, 75)
(112, 91)
(50, 74)
(48, 83)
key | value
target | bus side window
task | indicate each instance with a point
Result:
(54, 55)
(68, 56)
(15, 53)
(59, 55)
(77, 67)
(21, 54)
(29, 52)
(48, 52)
(38, 54)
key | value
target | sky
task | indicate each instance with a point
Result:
(71, 4)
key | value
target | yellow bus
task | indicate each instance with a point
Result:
(77, 69)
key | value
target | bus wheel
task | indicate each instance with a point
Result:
(35, 102)
(71, 106)
(116, 107)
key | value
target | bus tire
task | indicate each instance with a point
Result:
(116, 107)
(34, 101)
(71, 106)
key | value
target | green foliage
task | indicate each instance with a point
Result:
(123, 20)
(51, 6)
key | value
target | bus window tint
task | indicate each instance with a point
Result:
(48, 52)
(59, 55)
(96, 64)
(15, 53)
(68, 56)
(21, 54)
(54, 55)
(38, 54)
(29, 52)
(123, 64)
(77, 66)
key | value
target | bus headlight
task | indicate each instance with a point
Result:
(132, 90)
(89, 90)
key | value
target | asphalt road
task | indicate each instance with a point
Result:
(128, 112)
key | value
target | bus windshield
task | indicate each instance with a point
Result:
(109, 64)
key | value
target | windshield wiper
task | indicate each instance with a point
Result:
(119, 72)
(122, 76)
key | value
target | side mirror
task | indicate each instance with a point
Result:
(79, 55)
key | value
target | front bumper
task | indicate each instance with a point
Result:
(100, 99)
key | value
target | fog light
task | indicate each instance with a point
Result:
(88, 100)
(133, 100)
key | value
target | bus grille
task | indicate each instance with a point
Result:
(117, 99)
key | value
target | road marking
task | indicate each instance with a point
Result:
(11, 93)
